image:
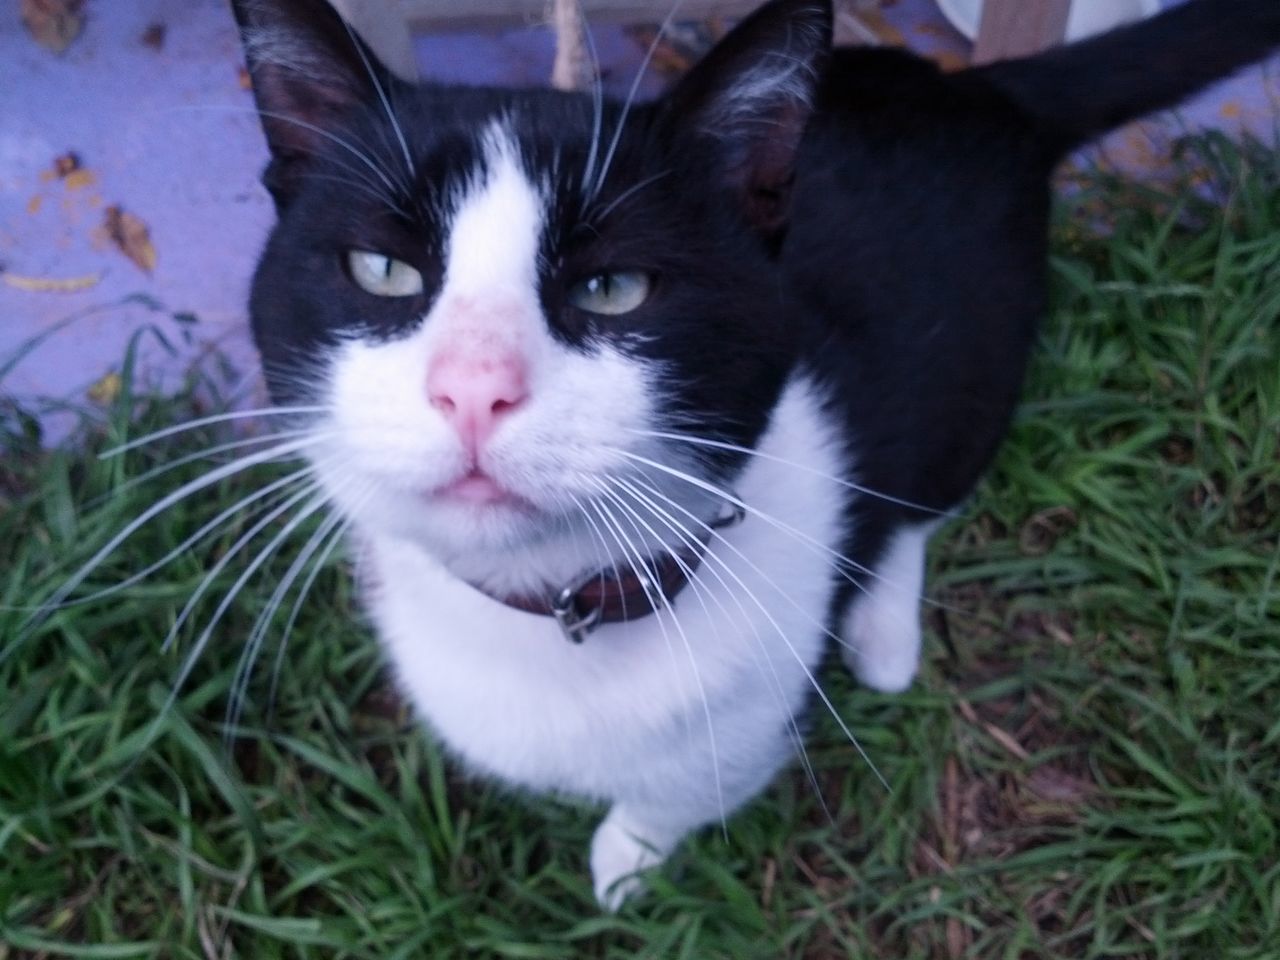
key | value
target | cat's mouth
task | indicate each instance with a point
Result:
(478, 489)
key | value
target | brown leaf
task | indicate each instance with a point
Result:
(106, 390)
(54, 24)
(66, 164)
(79, 179)
(1039, 534)
(154, 35)
(50, 284)
(1006, 740)
(131, 237)
(1059, 786)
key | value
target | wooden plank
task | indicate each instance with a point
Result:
(848, 30)
(382, 25)
(1016, 28)
(573, 69)
(427, 14)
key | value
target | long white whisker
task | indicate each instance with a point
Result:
(608, 554)
(363, 184)
(189, 663)
(385, 103)
(200, 483)
(717, 535)
(626, 195)
(688, 647)
(735, 448)
(233, 551)
(631, 96)
(382, 96)
(285, 118)
(186, 544)
(760, 655)
(817, 687)
(799, 535)
(611, 524)
(170, 465)
(204, 422)
(387, 180)
(244, 669)
(597, 109)
(303, 592)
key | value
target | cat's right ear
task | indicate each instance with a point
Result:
(309, 70)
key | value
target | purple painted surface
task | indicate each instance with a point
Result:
(169, 135)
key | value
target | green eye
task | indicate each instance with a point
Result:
(383, 276)
(611, 294)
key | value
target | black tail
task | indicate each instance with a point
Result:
(1079, 92)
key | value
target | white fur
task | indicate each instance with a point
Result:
(780, 76)
(882, 627)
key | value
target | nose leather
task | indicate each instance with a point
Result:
(475, 392)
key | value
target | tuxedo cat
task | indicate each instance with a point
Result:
(636, 408)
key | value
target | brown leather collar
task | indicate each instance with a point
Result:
(605, 597)
(625, 593)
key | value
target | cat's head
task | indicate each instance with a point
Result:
(497, 298)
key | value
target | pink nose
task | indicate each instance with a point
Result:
(474, 393)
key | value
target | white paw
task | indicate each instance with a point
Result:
(882, 629)
(617, 855)
(883, 652)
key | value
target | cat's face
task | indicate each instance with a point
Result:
(496, 299)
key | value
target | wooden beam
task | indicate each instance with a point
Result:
(1016, 28)
(382, 25)
(470, 13)
(573, 69)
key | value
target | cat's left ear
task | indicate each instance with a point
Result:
(750, 100)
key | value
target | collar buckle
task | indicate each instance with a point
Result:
(575, 625)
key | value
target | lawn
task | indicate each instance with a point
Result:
(1088, 766)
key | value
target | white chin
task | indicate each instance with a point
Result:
(448, 525)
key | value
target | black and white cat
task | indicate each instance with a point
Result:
(688, 382)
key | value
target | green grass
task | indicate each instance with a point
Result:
(1095, 774)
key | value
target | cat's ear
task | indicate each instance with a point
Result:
(309, 69)
(751, 98)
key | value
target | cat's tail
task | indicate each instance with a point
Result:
(1079, 92)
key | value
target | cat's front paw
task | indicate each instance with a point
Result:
(882, 646)
(619, 852)
(882, 628)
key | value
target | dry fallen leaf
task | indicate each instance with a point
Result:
(80, 179)
(154, 35)
(49, 284)
(106, 390)
(131, 236)
(1059, 786)
(66, 164)
(54, 24)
